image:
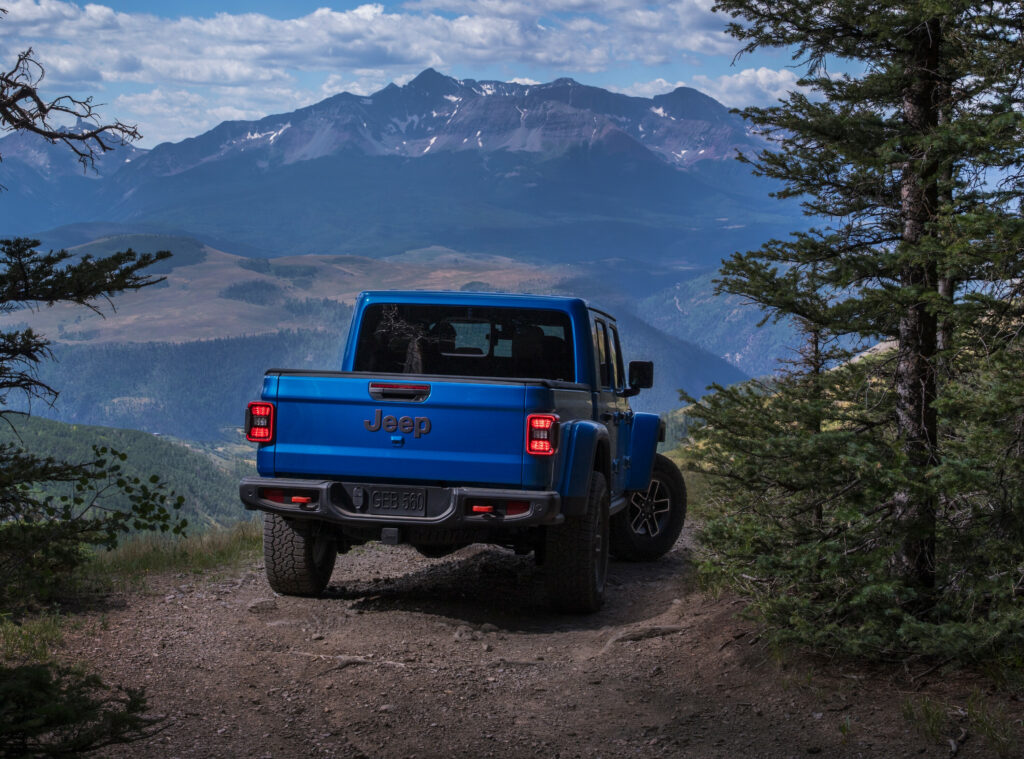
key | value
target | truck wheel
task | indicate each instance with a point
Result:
(576, 555)
(298, 556)
(651, 522)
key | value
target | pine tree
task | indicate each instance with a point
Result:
(45, 709)
(912, 168)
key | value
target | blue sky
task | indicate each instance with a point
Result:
(178, 69)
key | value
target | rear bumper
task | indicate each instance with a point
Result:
(444, 508)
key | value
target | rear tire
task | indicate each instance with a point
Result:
(651, 522)
(576, 555)
(298, 555)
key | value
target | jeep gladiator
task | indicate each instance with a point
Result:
(461, 418)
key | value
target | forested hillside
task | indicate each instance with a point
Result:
(724, 325)
(196, 390)
(183, 357)
(208, 483)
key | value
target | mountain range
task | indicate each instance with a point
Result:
(557, 171)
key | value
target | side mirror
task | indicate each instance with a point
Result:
(641, 375)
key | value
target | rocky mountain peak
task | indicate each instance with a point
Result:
(434, 82)
(435, 113)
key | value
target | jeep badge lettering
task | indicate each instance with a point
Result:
(418, 426)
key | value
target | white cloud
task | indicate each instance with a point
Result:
(95, 49)
(196, 49)
(182, 113)
(649, 89)
(760, 86)
(360, 82)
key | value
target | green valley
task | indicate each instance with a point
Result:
(206, 476)
(184, 357)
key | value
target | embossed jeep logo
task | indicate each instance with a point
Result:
(418, 426)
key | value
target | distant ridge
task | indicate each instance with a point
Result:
(435, 113)
(557, 172)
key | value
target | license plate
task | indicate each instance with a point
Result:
(399, 502)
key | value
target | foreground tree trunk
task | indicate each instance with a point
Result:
(915, 506)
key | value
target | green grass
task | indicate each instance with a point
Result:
(699, 505)
(927, 716)
(991, 722)
(145, 554)
(984, 717)
(30, 639)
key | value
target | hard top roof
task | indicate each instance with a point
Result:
(509, 300)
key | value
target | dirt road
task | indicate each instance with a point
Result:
(457, 657)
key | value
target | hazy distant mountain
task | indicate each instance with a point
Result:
(557, 171)
(435, 113)
(53, 160)
(44, 184)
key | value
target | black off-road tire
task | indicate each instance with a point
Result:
(576, 555)
(653, 518)
(298, 555)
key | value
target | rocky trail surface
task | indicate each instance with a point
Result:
(457, 657)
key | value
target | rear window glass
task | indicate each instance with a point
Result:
(466, 341)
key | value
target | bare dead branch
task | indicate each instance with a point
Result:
(23, 108)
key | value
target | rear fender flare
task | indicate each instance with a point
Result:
(643, 444)
(586, 450)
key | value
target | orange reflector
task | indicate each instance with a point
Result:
(301, 499)
(482, 508)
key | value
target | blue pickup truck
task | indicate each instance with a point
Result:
(461, 418)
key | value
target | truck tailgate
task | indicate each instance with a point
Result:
(460, 431)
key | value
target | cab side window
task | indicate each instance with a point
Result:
(605, 362)
(615, 358)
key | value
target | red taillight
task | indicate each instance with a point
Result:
(259, 422)
(277, 496)
(541, 434)
(514, 508)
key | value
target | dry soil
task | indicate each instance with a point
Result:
(457, 657)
